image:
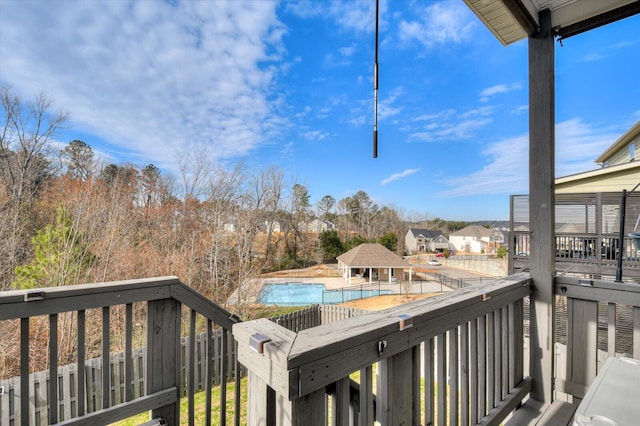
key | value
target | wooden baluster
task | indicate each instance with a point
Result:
(482, 366)
(429, 381)
(209, 375)
(128, 349)
(611, 329)
(340, 402)
(504, 336)
(106, 346)
(53, 368)
(80, 391)
(24, 371)
(473, 371)
(223, 376)
(191, 363)
(497, 357)
(395, 387)
(582, 316)
(453, 376)
(491, 356)
(636, 332)
(464, 374)
(366, 396)
(441, 383)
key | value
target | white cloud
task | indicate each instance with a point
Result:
(398, 176)
(578, 145)
(315, 135)
(520, 110)
(498, 89)
(151, 77)
(598, 55)
(386, 106)
(506, 171)
(351, 16)
(359, 120)
(450, 125)
(347, 51)
(441, 23)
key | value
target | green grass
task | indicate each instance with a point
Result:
(199, 405)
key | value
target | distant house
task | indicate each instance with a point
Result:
(373, 260)
(270, 226)
(477, 239)
(424, 240)
(319, 226)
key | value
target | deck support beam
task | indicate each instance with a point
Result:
(541, 205)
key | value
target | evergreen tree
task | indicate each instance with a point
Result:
(389, 240)
(61, 256)
(331, 245)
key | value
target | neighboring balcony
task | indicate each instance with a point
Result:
(588, 234)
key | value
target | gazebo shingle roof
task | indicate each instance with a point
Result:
(372, 255)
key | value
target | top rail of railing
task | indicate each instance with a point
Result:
(52, 300)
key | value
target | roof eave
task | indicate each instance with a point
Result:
(509, 20)
(513, 20)
(630, 135)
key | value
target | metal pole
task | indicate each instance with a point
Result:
(375, 91)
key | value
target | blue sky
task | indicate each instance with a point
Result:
(289, 84)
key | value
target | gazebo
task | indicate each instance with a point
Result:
(372, 258)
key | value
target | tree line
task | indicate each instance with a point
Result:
(68, 217)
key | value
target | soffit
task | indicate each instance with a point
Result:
(514, 20)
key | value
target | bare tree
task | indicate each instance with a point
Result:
(195, 171)
(263, 198)
(25, 143)
(224, 193)
(25, 137)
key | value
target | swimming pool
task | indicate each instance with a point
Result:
(302, 294)
(291, 294)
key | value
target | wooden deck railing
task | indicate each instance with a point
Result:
(165, 299)
(451, 359)
(602, 320)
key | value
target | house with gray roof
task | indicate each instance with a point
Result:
(373, 260)
(419, 240)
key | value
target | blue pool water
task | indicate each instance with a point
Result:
(291, 294)
(301, 294)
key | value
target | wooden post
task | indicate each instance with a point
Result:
(542, 205)
(163, 354)
(263, 348)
